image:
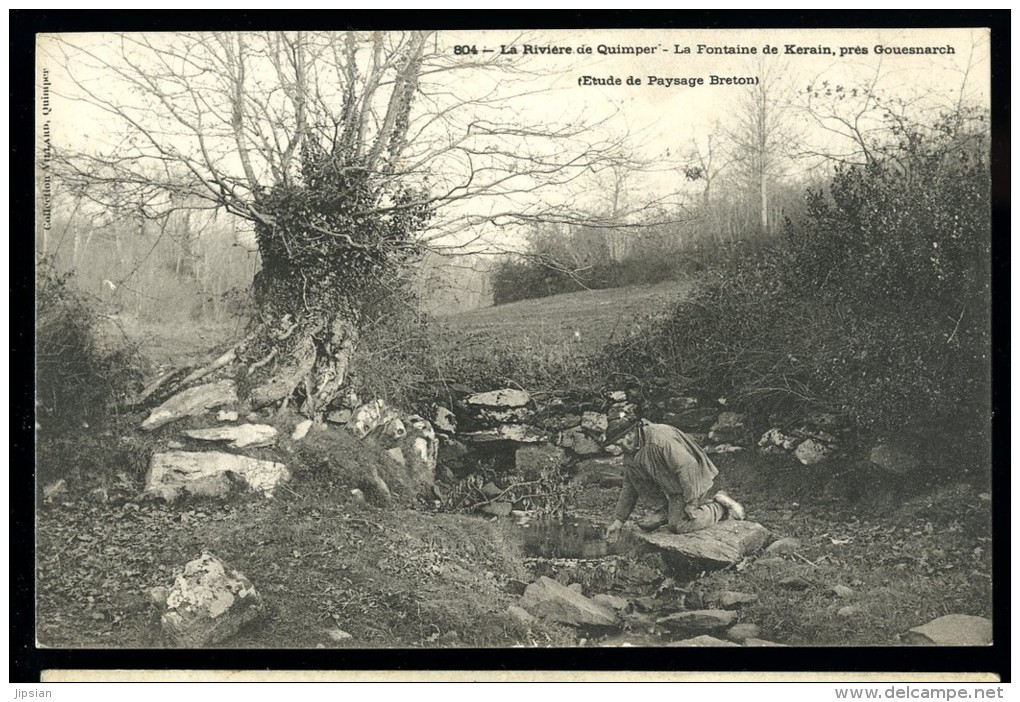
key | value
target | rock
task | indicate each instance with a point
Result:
(548, 599)
(497, 509)
(100, 495)
(762, 643)
(630, 640)
(776, 437)
(604, 472)
(488, 418)
(723, 448)
(594, 422)
(616, 396)
(566, 421)
(613, 450)
(951, 630)
(893, 460)
(54, 490)
(226, 416)
(358, 496)
(848, 611)
(236, 436)
(491, 490)
(729, 428)
(209, 603)
(617, 604)
(698, 620)
(540, 460)
(520, 615)
(378, 419)
(499, 399)
(722, 544)
(339, 635)
(811, 451)
(794, 582)
(841, 591)
(698, 419)
(445, 421)
(339, 416)
(301, 430)
(396, 455)
(742, 632)
(521, 433)
(578, 441)
(192, 402)
(784, 546)
(420, 448)
(174, 473)
(703, 641)
(729, 599)
(576, 587)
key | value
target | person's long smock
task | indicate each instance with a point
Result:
(670, 469)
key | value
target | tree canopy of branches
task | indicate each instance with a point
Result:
(350, 153)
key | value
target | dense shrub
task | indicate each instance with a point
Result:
(875, 305)
(79, 374)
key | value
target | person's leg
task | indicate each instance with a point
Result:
(659, 516)
(684, 519)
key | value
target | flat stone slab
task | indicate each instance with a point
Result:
(951, 630)
(721, 545)
(238, 435)
(192, 402)
(172, 473)
(698, 620)
(703, 641)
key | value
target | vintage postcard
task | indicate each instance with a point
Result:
(513, 339)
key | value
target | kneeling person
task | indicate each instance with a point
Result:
(668, 466)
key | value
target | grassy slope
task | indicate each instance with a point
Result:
(591, 317)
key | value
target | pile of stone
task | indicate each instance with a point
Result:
(213, 460)
(813, 441)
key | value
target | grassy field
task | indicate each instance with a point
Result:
(587, 319)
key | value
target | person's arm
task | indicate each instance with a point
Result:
(624, 506)
(626, 502)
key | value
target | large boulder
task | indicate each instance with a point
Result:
(951, 630)
(237, 435)
(723, 544)
(192, 403)
(547, 599)
(209, 603)
(173, 474)
(594, 422)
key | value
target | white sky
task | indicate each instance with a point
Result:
(660, 118)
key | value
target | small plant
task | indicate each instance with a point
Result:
(80, 376)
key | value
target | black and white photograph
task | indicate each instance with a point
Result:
(491, 339)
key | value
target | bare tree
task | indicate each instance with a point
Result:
(349, 153)
(762, 134)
